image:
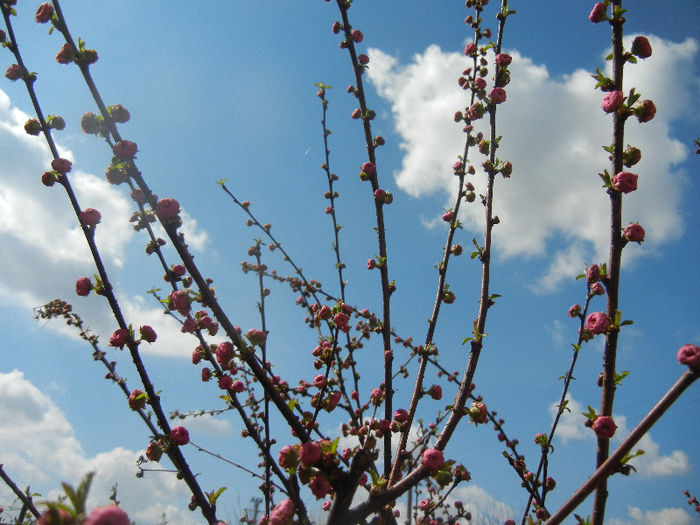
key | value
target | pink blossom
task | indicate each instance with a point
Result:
(44, 13)
(341, 321)
(282, 514)
(90, 217)
(612, 101)
(435, 392)
(320, 381)
(645, 111)
(641, 47)
(625, 182)
(592, 273)
(369, 168)
(119, 338)
(448, 216)
(137, 400)
(597, 323)
(503, 59)
(180, 301)
(167, 208)
(470, 49)
(224, 352)
(401, 415)
(310, 453)
(109, 515)
(153, 451)
(83, 286)
(256, 337)
(598, 13)
(432, 459)
(357, 35)
(356, 113)
(689, 355)
(288, 457)
(179, 436)
(480, 83)
(125, 149)
(597, 289)
(189, 326)
(634, 232)
(148, 334)
(14, 72)
(424, 504)
(379, 194)
(238, 387)
(604, 427)
(206, 374)
(320, 486)
(498, 95)
(66, 54)
(225, 382)
(376, 396)
(61, 165)
(326, 505)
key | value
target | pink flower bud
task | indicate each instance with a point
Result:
(148, 334)
(256, 337)
(597, 323)
(66, 55)
(470, 49)
(503, 59)
(44, 13)
(598, 13)
(356, 114)
(592, 274)
(320, 381)
(401, 415)
(167, 208)
(119, 338)
(432, 459)
(689, 355)
(363, 59)
(179, 436)
(597, 289)
(225, 382)
(320, 486)
(357, 36)
(137, 400)
(604, 427)
(310, 453)
(224, 352)
(153, 451)
(435, 392)
(645, 111)
(634, 232)
(83, 286)
(448, 216)
(641, 47)
(125, 149)
(625, 182)
(612, 101)
(498, 95)
(111, 514)
(14, 72)
(61, 165)
(575, 310)
(90, 217)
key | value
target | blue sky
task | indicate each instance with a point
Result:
(227, 91)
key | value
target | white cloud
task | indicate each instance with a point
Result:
(571, 423)
(484, 507)
(553, 130)
(652, 463)
(41, 448)
(675, 516)
(44, 249)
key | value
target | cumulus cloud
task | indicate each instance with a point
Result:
(44, 249)
(650, 464)
(653, 463)
(654, 517)
(41, 448)
(553, 130)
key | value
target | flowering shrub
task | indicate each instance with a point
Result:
(386, 452)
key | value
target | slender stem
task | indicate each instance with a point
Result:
(25, 498)
(613, 282)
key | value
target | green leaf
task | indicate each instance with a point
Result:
(214, 495)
